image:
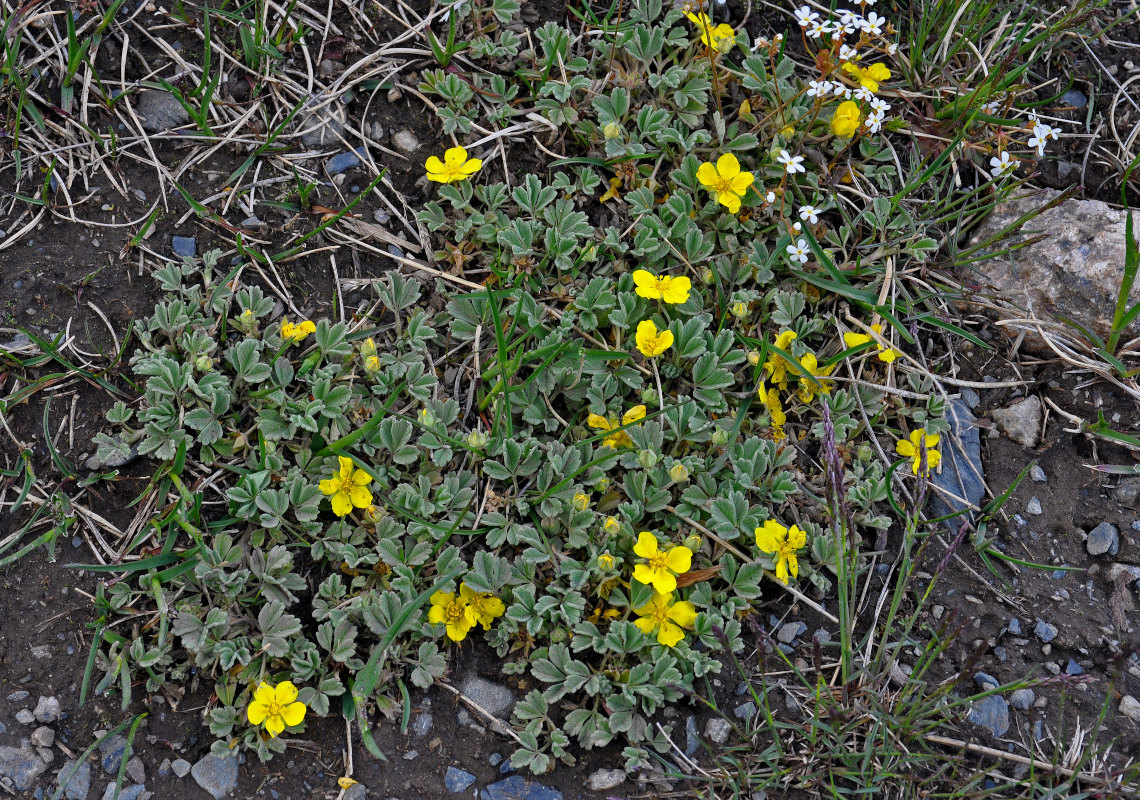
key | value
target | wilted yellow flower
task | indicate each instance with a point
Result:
(650, 341)
(662, 566)
(372, 364)
(605, 560)
(673, 290)
(783, 543)
(846, 119)
(298, 332)
(611, 526)
(885, 354)
(618, 438)
(777, 366)
(919, 441)
(719, 37)
(348, 488)
(869, 77)
(454, 167)
(612, 192)
(809, 390)
(771, 400)
(753, 357)
(665, 617)
(725, 181)
(679, 472)
(277, 707)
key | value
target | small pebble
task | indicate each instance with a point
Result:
(43, 736)
(1104, 538)
(1073, 668)
(411, 755)
(717, 730)
(745, 711)
(184, 246)
(605, 779)
(1045, 631)
(25, 717)
(1034, 507)
(405, 141)
(1015, 626)
(457, 780)
(1075, 98)
(1130, 707)
(381, 217)
(1037, 474)
(180, 767)
(1022, 699)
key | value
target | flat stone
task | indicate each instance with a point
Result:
(518, 788)
(692, 739)
(19, 696)
(21, 766)
(218, 776)
(43, 737)
(422, 725)
(991, 713)
(80, 783)
(134, 792)
(493, 698)
(184, 246)
(322, 125)
(411, 755)
(180, 767)
(1022, 699)
(136, 771)
(1127, 492)
(1020, 422)
(1014, 626)
(745, 711)
(605, 779)
(1038, 474)
(961, 482)
(25, 717)
(405, 141)
(160, 111)
(47, 709)
(1075, 98)
(790, 630)
(985, 681)
(1073, 668)
(457, 780)
(1045, 631)
(355, 792)
(717, 730)
(1130, 707)
(111, 754)
(344, 161)
(1033, 507)
(1104, 538)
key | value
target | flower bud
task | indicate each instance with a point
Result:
(203, 363)
(611, 526)
(374, 514)
(720, 437)
(865, 453)
(612, 130)
(739, 309)
(427, 418)
(679, 472)
(693, 542)
(754, 357)
(647, 459)
(477, 439)
(581, 501)
(606, 561)
(372, 364)
(602, 484)
(707, 276)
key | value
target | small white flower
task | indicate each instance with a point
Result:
(779, 37)
(873, 24)
(792, 163)
(798, 251)
(817, 29)
(809, 214)
(864, 94)
(818, 88)
(1048, 131)
(880, 105)
(874, 121)
(1000, 167)
(850, 20)
(1033, 118)
(991, 108)
(797, 227)
(892, 48)
(838, 89)
(848, 54)
(770, 197)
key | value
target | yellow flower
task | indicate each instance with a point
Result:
(777, 366)
(617, 438)
(454, 167)
(913, 450)
(783, 543)
(605, 560)
(296, 332)
(809, 390)
(347, 488)
(454, 612)
(611, 131)
(581, 501)
(482, 607)
(665, 287)
(725, 181)
(276, 707)
(679, 472)
(372, 364)
(846, 120)
(719, 37)
(869, 77)
(665, 617)
(368, 347)
(886, 354)
(771, 400)
(611, 526)
(664, 565)
(650, 342)
(612, 192)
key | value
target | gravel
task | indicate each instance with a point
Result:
(1022, 699)
(80, 783)
(518, 788)
(1020, 422)
(405, 141)
(218, 776)
(1033, 507)
(21, 766)
(790, 630)
(1038, 474)
(1104, 538)
(25, 717)
(47, 710)
(717, 730)
(1130, 707)
(493, 698)
(43, 736)
(160, 111)
(344, 161)
(457, 780)
(1045, 631)
(180, 767)
(991, 713)
(184, 246)
(605, 779)
(745, 711)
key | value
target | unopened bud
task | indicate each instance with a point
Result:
(581, 501)
(720, 437)
(647, 459)
(477, 439)
(679, 472)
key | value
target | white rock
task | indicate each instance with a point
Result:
(1130, 707)
(605, 779)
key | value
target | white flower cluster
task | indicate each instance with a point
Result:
(845, 23)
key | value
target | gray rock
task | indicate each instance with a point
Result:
(961, 482)
(457, 780)
(1127, 492)
(1104, 538)
(422, 725)
(1074, 271)
(991, 713)
(135, 792)
(41, 652)
(970, 398)
(1021, 422)
(160, 111)
(1073, 668)
(1130, 707)
(1038, 474)
(19, 696)
(692, 739)
(164, 768)
(355, 792)
(80, 783)
(790, 630)
(180, 767)
(136, 771)
(1116, 570)
(184, 246)
(21, 766)
(344, 161)
(47, 709)
(381, 217)
(985, 681)
(745, 711)
(405, 141)
(411, 755)
(717, 730)
(1034, 507)
(322, 125)
(605, 779)
(493, 698)
(518, 788)
(218, 776)
(1022, 699)
(1045, 631)
(1075, 98)
(25, 717)
(43, 737)
(1015, 626)
(111, 754)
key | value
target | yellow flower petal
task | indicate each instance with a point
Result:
(434, 165)
(645, 625)
(329, 486)
(341, 504)
(285, 693)
(770, 536)
(905, 448)
(683, 613)
(455, 156)
(642, 573)
(633, 415)
(646, 546)
(727, 166)
(679, 559)
(274, 725)
(256, 712)
(669, 634)
(598, 422)
(706, 174)
(293, 714)
(360, 497)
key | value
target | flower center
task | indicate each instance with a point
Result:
(724, 185)
(344, 485)
(275, 709)
(454, 612)
(659, 562)
(660, 614)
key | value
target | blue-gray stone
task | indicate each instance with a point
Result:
(218, 776)
(985, 681)
(3, 728)
(80, 783)
(1059, 573)
(1038, 731)
(1022, 699)
(1104, 538)
(126, 793)
(1001, 653)
(961, 482)
(21, 766)
(506, 767)
(343, 162)
(184, 246)
(1015, 626)
(111, 753)
(745, 711)
(991, 713)
(517, 788)
(692, 740)
(1073, 668)
(1045, 631)
(1075, 98)
(493, 698)
(790, 631)
(456, 780)
(495, 759)
(422, 725)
